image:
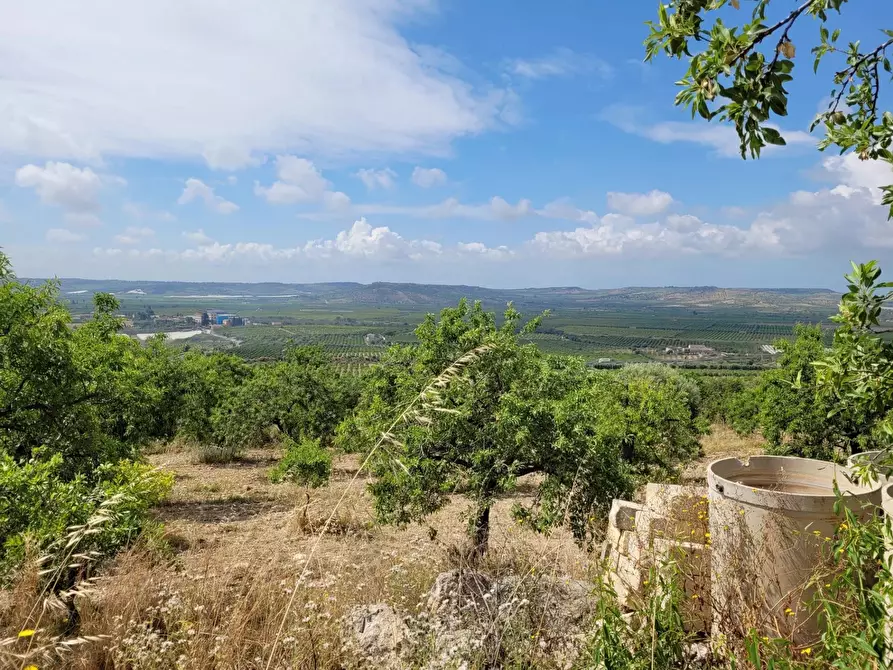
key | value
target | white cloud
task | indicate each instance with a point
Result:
(428, 177)
(560, 63)
(617, 235)
(639, 204)
(196, 188)
(134, 235)
(481, 250)
(228, 81)
(377, 178)
(336, 201)
(362, 241)
(564, 209)
(857, 173)
(63, 236)
(720, 137)
(845, 218)
(300, 181)
(139, 211)
(221, 157)
(63, 185)
(198, 237)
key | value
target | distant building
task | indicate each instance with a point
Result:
(372, 339)
(220, 318)
(604, 360)
(699, 349)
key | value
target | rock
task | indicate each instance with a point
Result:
(459, 591)
(569, 601)
(455, 650)
(473, 618)
(697, 655)
(374, 636)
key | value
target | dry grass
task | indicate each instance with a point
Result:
(242, 544)
(244, 541)
(722, 442)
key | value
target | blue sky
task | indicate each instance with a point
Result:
(501, 143)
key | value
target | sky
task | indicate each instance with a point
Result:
(506, 143)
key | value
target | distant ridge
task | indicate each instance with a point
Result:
(439, 295)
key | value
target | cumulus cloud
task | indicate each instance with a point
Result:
(63, 236)
(843, 218)
(855, 173)
(639, 204)
(481, 250)
(180, 78)
(197, 189)
(62, 184)
(300, 181)
(362, 241)
(377, 178)
(560, 63)
(428, 177)
(134, 235)
(615, 235)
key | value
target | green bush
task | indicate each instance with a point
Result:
(38, 504)
(305, 462)
(721, 397)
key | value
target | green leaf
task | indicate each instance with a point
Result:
(772, 136)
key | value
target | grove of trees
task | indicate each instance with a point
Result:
(78, 405)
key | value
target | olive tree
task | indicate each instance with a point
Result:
(513, 412)
(302, 396)
(740, 63)
(61, 390)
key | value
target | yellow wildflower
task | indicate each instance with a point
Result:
(28, 632)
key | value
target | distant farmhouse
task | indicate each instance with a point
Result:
(691, 350)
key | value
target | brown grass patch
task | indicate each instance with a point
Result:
(241, 543)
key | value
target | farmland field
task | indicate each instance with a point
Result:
(728, 328)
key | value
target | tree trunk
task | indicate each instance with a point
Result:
(481, 533)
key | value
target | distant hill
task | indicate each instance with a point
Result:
(435, 295)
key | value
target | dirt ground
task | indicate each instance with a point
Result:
(254, 583)
(225, 514)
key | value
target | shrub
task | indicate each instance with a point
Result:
(38, 504)
(305, 462)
